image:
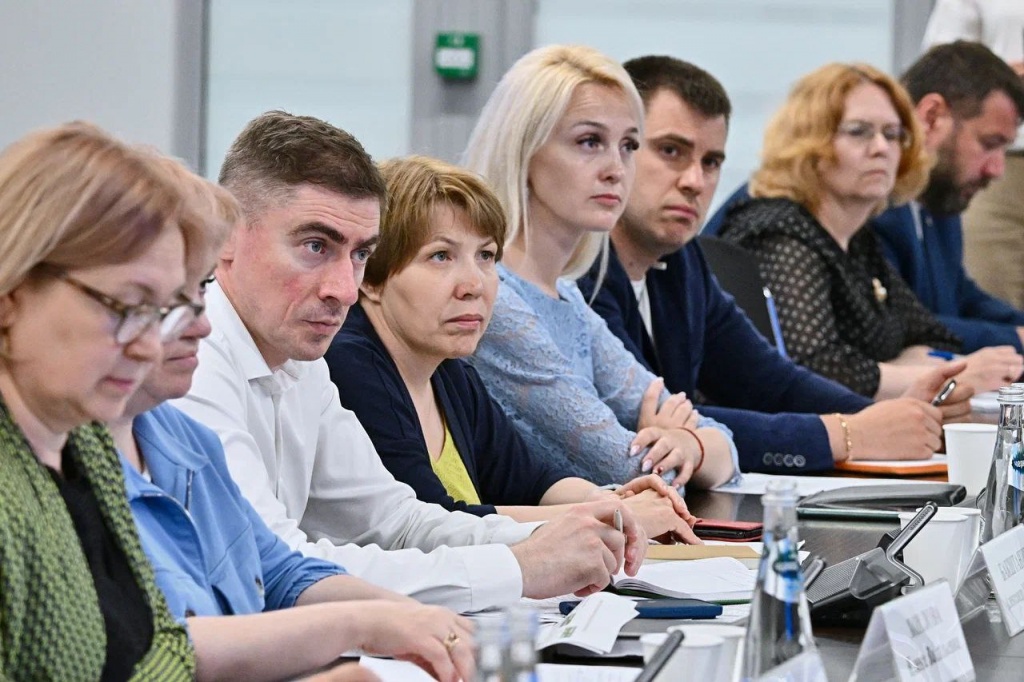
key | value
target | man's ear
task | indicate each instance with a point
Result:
(936, 119)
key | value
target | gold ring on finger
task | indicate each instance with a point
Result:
(451, 641)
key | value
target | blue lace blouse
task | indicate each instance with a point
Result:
(567, 382)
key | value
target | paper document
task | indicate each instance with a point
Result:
(593, 625)
(754, 484)
(722, 579)
(401, 671)
(549, 672)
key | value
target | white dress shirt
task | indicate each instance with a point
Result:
(309, 469)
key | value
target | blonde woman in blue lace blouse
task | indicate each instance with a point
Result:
(556, 142)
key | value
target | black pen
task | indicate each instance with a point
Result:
(941, 396)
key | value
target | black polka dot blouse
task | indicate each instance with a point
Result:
(841, 312)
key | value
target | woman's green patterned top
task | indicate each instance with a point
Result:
(51, 627)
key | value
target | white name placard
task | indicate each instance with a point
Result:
(916, 638)
(1004, 556)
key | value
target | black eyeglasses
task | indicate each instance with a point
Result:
(135, 320)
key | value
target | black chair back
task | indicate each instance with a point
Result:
(738, 273)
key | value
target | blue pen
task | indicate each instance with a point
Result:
(944, 354)
(773, 320)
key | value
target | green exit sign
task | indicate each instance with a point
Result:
(456, 55)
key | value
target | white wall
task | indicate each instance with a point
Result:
(346, 62)
(118, 63)
(756, 48)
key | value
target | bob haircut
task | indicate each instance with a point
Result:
(799, 138)
(415, 185)
(518, 119)
(209, 210)
(75, 197)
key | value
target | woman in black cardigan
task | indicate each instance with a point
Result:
(425, 302)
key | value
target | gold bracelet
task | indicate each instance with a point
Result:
(846, 435)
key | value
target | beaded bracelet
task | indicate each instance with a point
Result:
(845, 426)
(700, 444)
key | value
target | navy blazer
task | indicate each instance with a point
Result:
(501, 468)
(704, 342)
(933, 267)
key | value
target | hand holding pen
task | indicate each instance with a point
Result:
(933, 387)
(944, 393)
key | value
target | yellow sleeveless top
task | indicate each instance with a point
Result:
(450, 468)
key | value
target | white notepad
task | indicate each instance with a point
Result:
(722, 579)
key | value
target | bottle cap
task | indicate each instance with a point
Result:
(1012, 395)
(782, 490)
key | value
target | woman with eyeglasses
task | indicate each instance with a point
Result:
(845, 144)
(254, 609)
(91, 271)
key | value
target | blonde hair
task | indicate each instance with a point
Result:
(520, 115)
(416, 184)
(74, 197)
(800, 137)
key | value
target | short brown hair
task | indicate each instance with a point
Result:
(278, 151)
(690, 83)
(416, 184)
(964, 73)
(800, 136)
(75, 197)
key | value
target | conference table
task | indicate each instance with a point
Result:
(997, 658)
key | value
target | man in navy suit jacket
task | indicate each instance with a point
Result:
(660, 298)
(969, 103)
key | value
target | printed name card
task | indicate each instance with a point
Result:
(1004, 556)
(916, 638)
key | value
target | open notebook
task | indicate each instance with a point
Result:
(722, 579)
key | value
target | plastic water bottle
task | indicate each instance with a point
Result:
(780, 623)
(1002, 499)
(490, 649)
(520, 662)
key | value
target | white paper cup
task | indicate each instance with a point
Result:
(696, 659)
(969, 450)
(732, 641)
(944, 547)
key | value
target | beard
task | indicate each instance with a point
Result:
(944, 196)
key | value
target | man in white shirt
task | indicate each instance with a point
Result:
(312, 199)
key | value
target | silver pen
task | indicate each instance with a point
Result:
(617, 522)
(941, 396)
